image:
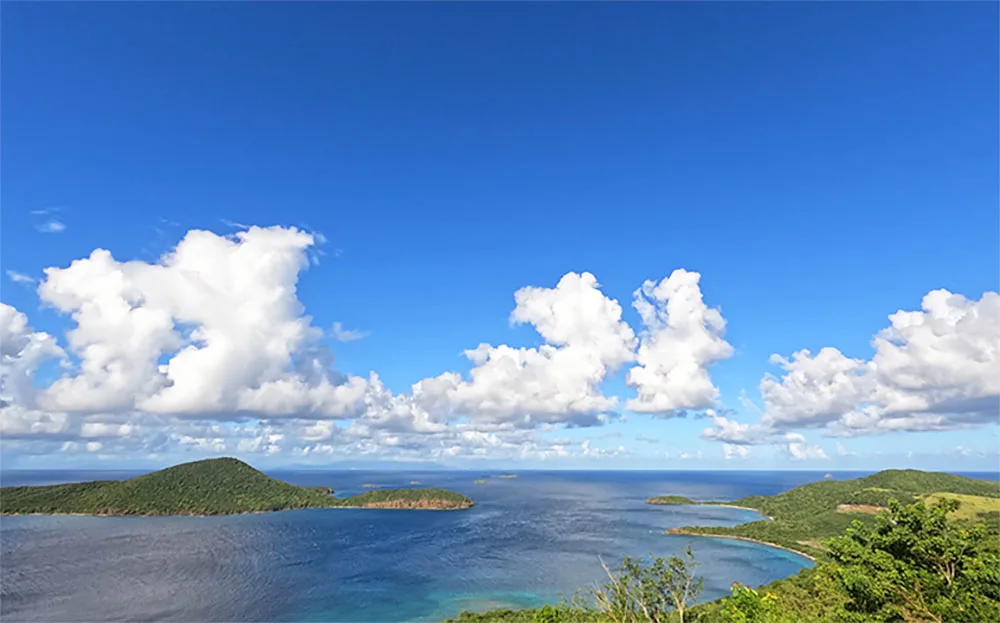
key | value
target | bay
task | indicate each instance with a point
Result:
(528, 541)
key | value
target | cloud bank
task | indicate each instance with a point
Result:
(210, 350)
(934, 369)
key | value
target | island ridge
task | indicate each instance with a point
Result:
(223, 486)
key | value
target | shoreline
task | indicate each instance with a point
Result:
(279, 510)
(683, 532)
(743, 508)
(148, 515)
(722, 504)
(392, 508)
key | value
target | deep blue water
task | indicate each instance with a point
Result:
(527, 541)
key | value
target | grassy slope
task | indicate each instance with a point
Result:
(210, 487)
(971, 506)
(807, 514)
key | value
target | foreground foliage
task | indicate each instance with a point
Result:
(658, 591)
(915, 564)
(210, 487)
(810, 595)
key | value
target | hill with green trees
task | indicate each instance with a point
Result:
(800, 518)
(222, 486)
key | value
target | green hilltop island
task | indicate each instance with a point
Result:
(897, 546)
(224, 486)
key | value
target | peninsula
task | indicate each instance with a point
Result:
(799, 519)
(224, 486)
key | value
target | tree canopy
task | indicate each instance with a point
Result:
(915, 564)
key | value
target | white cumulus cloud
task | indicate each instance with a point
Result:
(934, 369)
(814, 390)
(681, 338)
(943, 362)
(22, 350)
(586, 340)
(214, 327)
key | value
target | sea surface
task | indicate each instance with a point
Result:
(528, 541)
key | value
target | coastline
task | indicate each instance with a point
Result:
(404, 508)
(278, 510)
(743, 508)
(141, 515)
(683, 532)
(722, 504)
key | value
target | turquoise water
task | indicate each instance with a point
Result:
(527, 542)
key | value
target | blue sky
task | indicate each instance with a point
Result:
(821, 165)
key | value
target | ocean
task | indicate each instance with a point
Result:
(528, 541)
